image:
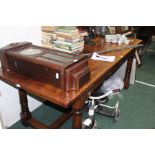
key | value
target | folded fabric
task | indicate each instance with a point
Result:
(96, 56)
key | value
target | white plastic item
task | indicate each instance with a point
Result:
(133, 72)
(107, 38)
(127, 42)
(112, 83)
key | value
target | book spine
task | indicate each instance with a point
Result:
(69, 40)
(81, 43)
(64, 50)
(48, 28)
(77, 48)
(68, 36)
(63, 46)
(67, 31)
(47, 46)
(83, 34)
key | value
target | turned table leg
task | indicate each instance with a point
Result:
(25, 113)
(128, 72)
(77, 112)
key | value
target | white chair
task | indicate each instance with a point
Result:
(97, 104)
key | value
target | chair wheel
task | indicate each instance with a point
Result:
(116, 116)
(89, 124)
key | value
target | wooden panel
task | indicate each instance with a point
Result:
(31, 61)
(36, 124)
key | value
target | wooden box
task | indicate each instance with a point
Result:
(63, 70)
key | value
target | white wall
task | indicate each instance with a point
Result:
(9, 101)
(10, 34)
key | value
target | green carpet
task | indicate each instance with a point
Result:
(137, 103)
(146, 72)
(46, 114)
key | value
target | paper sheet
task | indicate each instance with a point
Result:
(96, 56)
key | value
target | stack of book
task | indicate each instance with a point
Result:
(48, 36)
(69, 39)
(64, 38)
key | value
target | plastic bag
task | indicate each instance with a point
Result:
(113, 82)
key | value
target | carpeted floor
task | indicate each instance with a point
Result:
(137, 104)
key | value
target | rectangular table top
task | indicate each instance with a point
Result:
(99, 71)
